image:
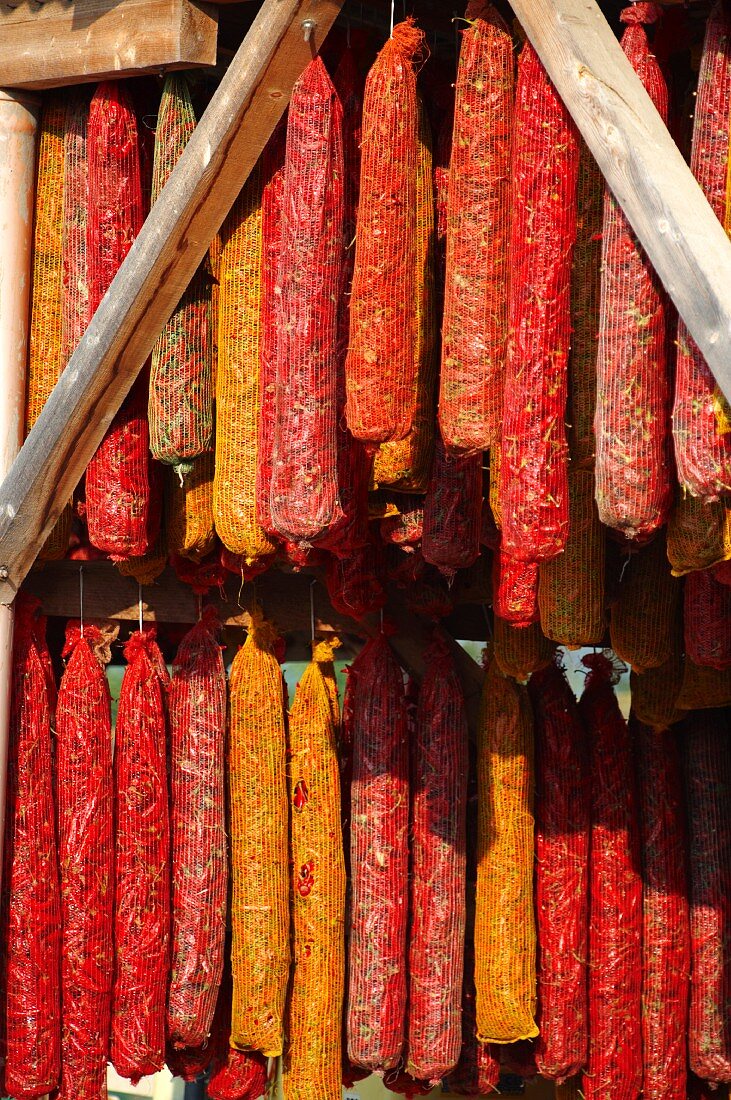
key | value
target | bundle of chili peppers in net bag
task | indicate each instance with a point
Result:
(189, 510)
(354, 584)
(707, 781)
(181, 379)
(544, 170)
(703, 687)
(699, 533)
(632, 423)
(646, 607)
(75, 297)
(666, 922)
(453, 510)
(142, 870)
(375, 707)
(707, 619)
(475, 325)
(700, 413)
(197, 702)
(304, 485)
(148, 567)
(615, 891)
(562, 875)
(257, 779)
(85, 807)
(505, 933)
(514, 589)
(438, 867)
(313, 1060)
(31, 905)
(520, 650)
(122, 485)
(655, 691)
(380, 364)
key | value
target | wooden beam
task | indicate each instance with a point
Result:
(200, 192)
(57, 43)
(642, 165)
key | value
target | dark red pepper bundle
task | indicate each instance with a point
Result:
(31, 931)
(563, 828)
(354, 583)
(122, 487)
(515, 589)
(615, 890)
(85, 803)
(453, 510)
(666, 919)
(544, 172)
(707, 619)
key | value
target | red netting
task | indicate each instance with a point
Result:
(235, 1074)
(520, 650)
(122, 491)
(475, 325)
(354, 584)
(406, 528)
(85, 804)
(197, 701)
(544, 170)
(304, 486)
(453, 511)
(519, 1059)
(614, 1067)
(380, 364)
(708, 781)
(666, 925)
(645, 612)
(563, 814)
(722, 572)
(189, 1062)
(632, 424)
(142, 870)
(379, 857)
(31, 901)
(701, 414)
(438, 867)
(707, 620)
(514, 589)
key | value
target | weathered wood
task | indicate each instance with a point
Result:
(201, 190)
(57, 43)
(642, 165)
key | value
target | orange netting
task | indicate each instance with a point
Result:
(642, 619)
(189, 510)
(521, 650)
(699, 533)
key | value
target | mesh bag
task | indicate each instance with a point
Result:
(313, 1061)
(189, 510)
(571, 586)
(520, 650)
(665, 924)
(304, 486)
(181, 384)
(189, 1062)
(707, 620)
(615, 891)
(707, 782)
(354, 584)
(238, 390)
(632, 425)
(380, 364)
(407, 528)
(642, 619)
(453, 511)
(438, 868)
(379, 857)
(699, 533)
(122, 492)
(655, 691)
(31, 918)
(505, 934)
(405, 464)
(722, 572)
(515, 589)
(197, 702)
(701, 414)
(85, 802)
(75, 297)
(142, 869)
(495, 489)
(147, 568)
(259, 849)
(214, 273)
(585, 295)
(562, 875)
(544, 170)
(704, 687)
(475, 325)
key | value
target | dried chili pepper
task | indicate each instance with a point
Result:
(642, 618)
(453, 511)
(521, 650)
(707, 620)
(515, 589)
(699, 533)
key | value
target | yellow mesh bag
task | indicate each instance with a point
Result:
(259, 829)
(238, 395)
(147, 568)
(571, 586)
(699, 533)
(189, 510)
(405, 465)
(704, 687)
(642, 619)
(213, 269)
(496, 462)
(505, 934)
(313, 1061)
(655, 692)
(521, 650)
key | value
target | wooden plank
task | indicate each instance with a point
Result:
(201, 190)
(642, 165)
(59, 43)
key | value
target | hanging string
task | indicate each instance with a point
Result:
(139, 596)
(393, 5)
(81, 599)
(312, 608)
(199, 601)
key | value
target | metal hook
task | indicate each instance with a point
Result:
(308, 26)
(139, 596)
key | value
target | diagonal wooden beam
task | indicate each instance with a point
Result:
(200, 192)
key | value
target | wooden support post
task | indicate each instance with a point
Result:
(642, 164)
(194, 202)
